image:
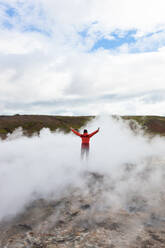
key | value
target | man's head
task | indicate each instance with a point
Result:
(85, 131)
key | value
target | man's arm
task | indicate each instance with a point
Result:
(91, 134)
(75, 132)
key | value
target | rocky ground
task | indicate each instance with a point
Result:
(81, 219)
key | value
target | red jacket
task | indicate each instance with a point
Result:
(85, 136)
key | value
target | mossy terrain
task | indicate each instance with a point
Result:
(34, 123)
(151, 124)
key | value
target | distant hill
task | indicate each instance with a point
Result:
(34, 123)
(151, 124)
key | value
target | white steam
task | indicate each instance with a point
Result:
(48, 165)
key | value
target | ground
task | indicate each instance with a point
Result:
(82, 220)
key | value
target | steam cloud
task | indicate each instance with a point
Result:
(47, 165)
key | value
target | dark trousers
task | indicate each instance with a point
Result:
(84, 150)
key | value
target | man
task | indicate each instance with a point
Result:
(85, 137)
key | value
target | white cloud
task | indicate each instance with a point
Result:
(107, 15)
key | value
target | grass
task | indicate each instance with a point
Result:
(3, 131)
(34, 123)
(151, 124)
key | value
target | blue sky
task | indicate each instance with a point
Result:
(11, 12)
(119, 38)
(12, 19)
(16, 18)
(116, 41)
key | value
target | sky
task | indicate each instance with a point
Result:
(82, 57)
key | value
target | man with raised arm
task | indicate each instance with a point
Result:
(85, 137)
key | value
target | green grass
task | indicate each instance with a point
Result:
(3, 131)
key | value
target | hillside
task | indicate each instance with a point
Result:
(34, 123)
(151, 124)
